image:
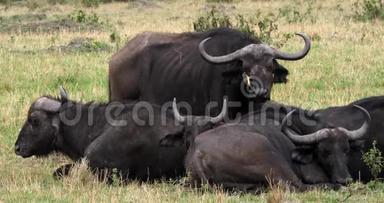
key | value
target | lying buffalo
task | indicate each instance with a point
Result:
(345, 116)
(110, 136)
(308, 121)
(198, 68)
(245, 156)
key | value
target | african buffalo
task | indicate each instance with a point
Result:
(244, 156)
(344, 116)
(110, 136)
(198, 68)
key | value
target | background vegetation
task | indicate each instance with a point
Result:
(47, 43)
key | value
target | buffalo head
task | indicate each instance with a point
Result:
(193, 125)
(329, 146)
(260, 68)
(40, 130)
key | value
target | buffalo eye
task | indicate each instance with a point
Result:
(34, 121)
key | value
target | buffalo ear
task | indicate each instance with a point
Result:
(357, 145)
(280, 75)
(171, 138)
(303, 155)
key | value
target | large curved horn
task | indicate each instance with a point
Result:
(359, 133)
(223, 112)
(296, 56)
(303, 139)
(176, 114)
(220, 59)
(47, 104)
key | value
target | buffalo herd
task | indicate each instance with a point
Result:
(222, 130)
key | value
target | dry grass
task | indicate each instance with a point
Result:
(344, 65)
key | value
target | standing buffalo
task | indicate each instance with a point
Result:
(245, 156)
(198, 68)
(110, 136)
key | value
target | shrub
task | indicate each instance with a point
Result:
(78, 16)
(114, 37)
(214, 19)
(91, 19)
(5, 2)
(369, 10)
(244, 25)
(374, 160)
(90, 3)
(81, 17)
(266, 25)
(34, 4)
(293, 14)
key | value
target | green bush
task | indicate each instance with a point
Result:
(90, 3)
(369, 10)
(374, 160)
(84, 19)
(214, 19)
(294, 14)
(80, 16)
(5, 2)
(34, 4)
(265, 25)
(244, 25)
(114, 37)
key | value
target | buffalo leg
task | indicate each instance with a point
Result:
(62, 171)
(103, 175)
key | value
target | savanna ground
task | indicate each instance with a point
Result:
(345, 63)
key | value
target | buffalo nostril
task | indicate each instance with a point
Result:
(265, 91)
